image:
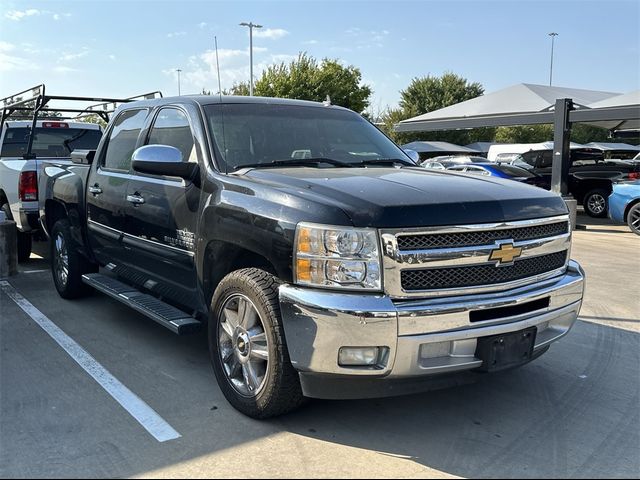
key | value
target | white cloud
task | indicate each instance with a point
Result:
(176, 34)
(200, 71)
(10, 63)
(202, 24)
(310, 42)
(68, 57)
(56, 16)
(271, 33)
(17, 15)
(112, 57)
(64, 69)
(6, 46)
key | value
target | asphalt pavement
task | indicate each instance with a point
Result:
(574, 412)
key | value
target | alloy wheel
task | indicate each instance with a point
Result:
(244, 348)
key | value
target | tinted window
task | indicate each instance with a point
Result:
(258, 133)
(514, 171)
(49, 142)
(123, 138)
(171, 127)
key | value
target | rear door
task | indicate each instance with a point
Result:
(107, 186)
(162, 216)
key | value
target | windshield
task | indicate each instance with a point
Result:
(257, 134)
(49, 142)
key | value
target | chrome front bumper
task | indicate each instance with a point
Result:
(423, 337)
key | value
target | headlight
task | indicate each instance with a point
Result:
(337, 257)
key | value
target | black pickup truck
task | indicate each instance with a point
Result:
(322, 260)
(591, 176)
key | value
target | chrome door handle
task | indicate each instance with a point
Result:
(135, 199)
(95, 190)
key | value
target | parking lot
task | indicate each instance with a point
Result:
(575, 412)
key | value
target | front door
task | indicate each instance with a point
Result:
(162, 218)
(107, 186)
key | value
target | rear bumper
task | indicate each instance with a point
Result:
(26, 218)
(424, 338)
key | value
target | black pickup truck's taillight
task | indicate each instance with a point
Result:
(28, 186)
(634, 176)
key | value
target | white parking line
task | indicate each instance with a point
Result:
(143, 413)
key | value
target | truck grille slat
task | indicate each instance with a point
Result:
(459, 277)
(483, 237)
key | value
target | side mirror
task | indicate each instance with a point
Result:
(162, 160)
(83, 157)
(413, 155)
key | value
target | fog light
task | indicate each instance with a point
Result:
(358, 357)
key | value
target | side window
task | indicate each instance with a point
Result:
(123, 138)
(171, 127)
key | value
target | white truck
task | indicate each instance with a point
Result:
(48, 130)
(53, 142)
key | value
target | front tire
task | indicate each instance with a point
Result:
(247, 346)
(595, 203)
(633, 219)
(67, 264)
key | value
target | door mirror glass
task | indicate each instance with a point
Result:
(162, 160)
(412, 154)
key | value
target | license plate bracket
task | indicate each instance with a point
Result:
(499, 352)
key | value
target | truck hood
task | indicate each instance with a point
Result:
(412, 197)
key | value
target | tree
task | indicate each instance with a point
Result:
(307, 79)
(524, 134)
(427, 94)
(580, 133)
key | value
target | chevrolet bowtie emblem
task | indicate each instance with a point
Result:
(506, 254)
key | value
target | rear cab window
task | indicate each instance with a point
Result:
(55, 142)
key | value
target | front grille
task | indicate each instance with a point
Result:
(480, 275)
(484, 237)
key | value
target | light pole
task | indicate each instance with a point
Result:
(251, 27)
(178, 70)
(553, 36)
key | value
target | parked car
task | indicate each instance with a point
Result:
(433, 165)
(624, 204)
(510, 172)
(348, 273)
(450, 160)
(590, 175)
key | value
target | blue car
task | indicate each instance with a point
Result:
(624, 204)
(500, 170)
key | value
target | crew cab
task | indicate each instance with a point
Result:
(321, 259)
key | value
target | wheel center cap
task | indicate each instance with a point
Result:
(243, 344)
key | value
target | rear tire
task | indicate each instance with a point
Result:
(67, 264)
(247, 346)
(595, 203)
(633, 219)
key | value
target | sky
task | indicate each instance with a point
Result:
(124, 48)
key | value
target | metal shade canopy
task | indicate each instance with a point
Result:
(528, 104)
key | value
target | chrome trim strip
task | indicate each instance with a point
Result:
(134, 238)
(477, 226)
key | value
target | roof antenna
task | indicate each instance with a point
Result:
(215, 38)
(327, 101)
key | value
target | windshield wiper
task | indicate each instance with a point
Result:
(297, 162)
(386, 162)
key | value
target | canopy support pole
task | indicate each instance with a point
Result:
(561, 147)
